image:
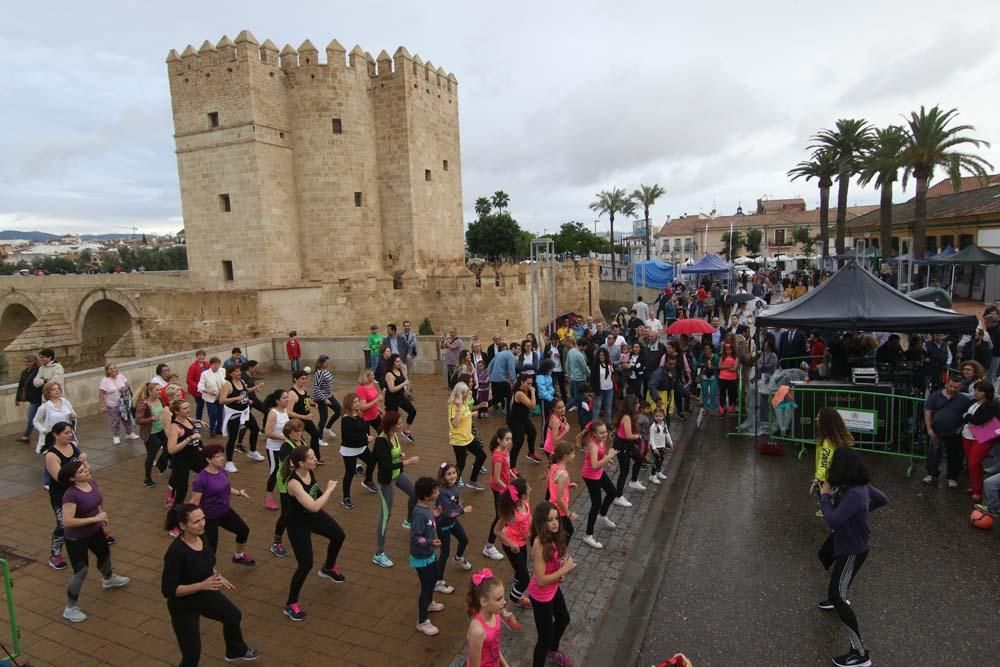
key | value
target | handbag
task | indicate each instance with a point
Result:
(984, 433)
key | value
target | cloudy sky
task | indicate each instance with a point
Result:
(715, 101)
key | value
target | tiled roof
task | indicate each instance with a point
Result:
(967, 184)
(981, 201)
(686, 226)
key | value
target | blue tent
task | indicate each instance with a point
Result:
(651, 273)
(708, 264)
(947, 252)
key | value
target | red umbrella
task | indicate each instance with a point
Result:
(691, 325)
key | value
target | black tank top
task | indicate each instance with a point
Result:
(192, 451)
(57, 488)
(303, 402)
(243, 395)
(393, 399)
(297, 514)
(519, 412)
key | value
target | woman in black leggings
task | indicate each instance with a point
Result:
(626, 442)
(236, 416)
(354, 445)
(305, 518)
(593, 438)
(519, 418)
(193, 588)
(397, 389)
(212, 491)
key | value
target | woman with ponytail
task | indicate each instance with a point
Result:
(597, 458)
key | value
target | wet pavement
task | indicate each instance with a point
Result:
(740, 580)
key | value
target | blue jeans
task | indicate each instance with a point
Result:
(604, 400)
(214, 417)
(32, 409)
(295, 364)
(991, 493)
(710, 393)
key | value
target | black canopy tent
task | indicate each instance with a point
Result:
(971, 254)
(853, 299)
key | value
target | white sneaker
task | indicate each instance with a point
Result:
(952, 484)
(929, 480)
(256, 456)
(330, 433)
(132, 436)
(115, 581)
(231, 467)
(443, 587)
(491, 551)
(427, 628)
(591, 542)
(662, 475)
(116, 440)
(653, 479)
(606, 522)
(637, 486)
(74, 615)
(621, 501)
(324, 443)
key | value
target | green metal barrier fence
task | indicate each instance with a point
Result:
(889, 424)
(15, 634)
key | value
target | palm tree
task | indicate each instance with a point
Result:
(500, 200)
(483, 207)
(931, 143)
(822, 167)
(613, 202)
(881, 164)
(646, 196)
(852, 137)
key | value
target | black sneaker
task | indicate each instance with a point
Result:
(240, 448)
(348, 505)
(110, 539)
(825, 605)
(149, 484)
(853, 659)
(251, 655)
(370, 486)
(333, 573)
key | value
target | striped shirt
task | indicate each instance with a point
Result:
(322, 384)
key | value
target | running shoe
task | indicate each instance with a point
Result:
(654, 479)
(132, 436)
(510, 621)
(231, 467)
(825, 605)
(330, 433)
(409, 436)
(475, 486)
(294, 612)
(115, 581)
(461, 483)
(591, 542)
(116, 440)
(333, 574)
(256, 456)
(622, 501)
(559, 658)
(110, 539)
(443, 587)
(240, 448)
(149, 484)
(324, 443)
(74, 615)
(462, 563)
(243, 559)
(279, 550)
(984, 508)
(483, 469)
(853, 659)
(382, 560)
(952, 484)
(929, 479)
(251, 655)
(637, 486)
(269, 504)
(427, 628)
(370, 486)
(406, 524)
(359, 469)
(348, 505)
(534, 457)
(435, 606)
(606, 522)
(490, 551)
(662, 475)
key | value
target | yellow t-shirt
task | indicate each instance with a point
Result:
(824, 454)
(462, 435)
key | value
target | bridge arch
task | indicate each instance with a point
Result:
(106, 322)
(17, 312)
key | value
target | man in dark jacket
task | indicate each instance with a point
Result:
(28, 393)
(791, 347)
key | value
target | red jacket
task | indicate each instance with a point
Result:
(293, 348)
(193, 375)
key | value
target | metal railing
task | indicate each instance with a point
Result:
(15, 633)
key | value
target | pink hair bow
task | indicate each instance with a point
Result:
(513, 492)
(481, 576)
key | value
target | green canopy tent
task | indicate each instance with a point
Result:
(971, 254)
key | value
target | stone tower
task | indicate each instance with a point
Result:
(294, 170)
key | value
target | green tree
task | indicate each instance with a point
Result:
(823, 167)
(848, 142)
(483, 206)
(802, 236)
(497, 237)
(85, 260)
(500, 200)
(752, 240)
(881, 164)
(55, 265)
(574, 237)
(611, 203)
(931, 143)
(645, 197)
(729, 249)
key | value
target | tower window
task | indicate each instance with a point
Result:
(357, 199)
(444, 165)
(213, 119)
(338, 128)
(427, 174)
(225, 204)
(227, 270)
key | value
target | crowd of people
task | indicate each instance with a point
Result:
(625, 381)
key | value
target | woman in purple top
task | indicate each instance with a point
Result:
(211, 491)
(83, 521)
(847, 500)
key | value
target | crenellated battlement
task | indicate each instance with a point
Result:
(246, 48)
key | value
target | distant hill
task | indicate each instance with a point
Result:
(106, 237)
(37, 237)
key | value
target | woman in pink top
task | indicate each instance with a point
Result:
(548, 544)
(596, 458)
(484, 603)
(557, 426)
(559, 484)
(728, 365)
(368, 391)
